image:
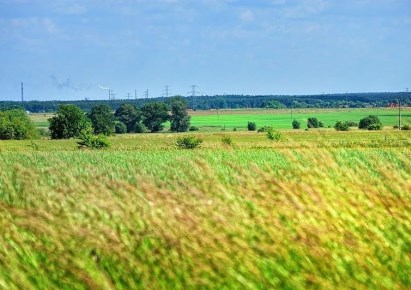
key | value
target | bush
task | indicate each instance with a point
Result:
(320, 124)
(140, 128)
(341, 126)
(120, 127)
(16, 124)
(352, 124)
(370, 123)
(226, 140)
(264, 129)
(406, 127)
(296, 124)
(188, 142)
(251, 126)
(88, 140)
(68, 122)
(313, 123)
(273, 135)
(193, 128)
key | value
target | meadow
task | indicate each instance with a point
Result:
(318, 209)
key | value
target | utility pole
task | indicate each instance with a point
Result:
(109, 94)
(135, 94)
(193, 96)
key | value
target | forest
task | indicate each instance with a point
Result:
(347, 100)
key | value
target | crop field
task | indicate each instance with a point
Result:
(317, 209)
(281, 119)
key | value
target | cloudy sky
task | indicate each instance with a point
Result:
(64, 49)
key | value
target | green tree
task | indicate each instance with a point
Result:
(371, 122)
(16, 124)
(129, 115)
(296, 124)
(154, 116)
(179, 119)
(68, 122)
(102, 119)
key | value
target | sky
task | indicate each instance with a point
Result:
(72, 50)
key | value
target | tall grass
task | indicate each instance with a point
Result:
(293, 218)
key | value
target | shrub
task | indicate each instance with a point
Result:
(370, 123)
(273, 135)
(341, 126)
(313, 123)
(406, 127)
(352, 124)
(235, 129)
(296, 124)
(188, 142)
(320, 124)
(140, 128)
(264, 129)
(251, 126)
(226, 140)
(88, 140)
(193, 128)
(120, 127)
(16, 124)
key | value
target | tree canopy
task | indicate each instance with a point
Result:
(154, 116)
(16, 124)
(128, 114)
(179, 119)
(68, 122)
(102, 119)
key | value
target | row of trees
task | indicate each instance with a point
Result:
(69, 120)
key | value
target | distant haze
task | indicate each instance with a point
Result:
(66, 50)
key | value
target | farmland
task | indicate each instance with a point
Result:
(316, 209)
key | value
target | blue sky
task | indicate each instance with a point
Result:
(66, 50)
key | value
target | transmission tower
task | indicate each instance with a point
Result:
(193, 93)
(166, 91)
(146, 94)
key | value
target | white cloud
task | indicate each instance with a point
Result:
(247, 15)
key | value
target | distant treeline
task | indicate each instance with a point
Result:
(351, 100)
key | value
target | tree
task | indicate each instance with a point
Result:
(129, 115)
(179, 119)
(313, 123)
(371, 122)
(154, 115)
(16, 124)
(68, 122)
(341, 126)
(251, 126)
(120, 127)
(102, 119)
(296, 124)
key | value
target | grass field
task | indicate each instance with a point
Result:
(215, 120)
(317, 209)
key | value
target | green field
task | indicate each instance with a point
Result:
(318, 209)
(281, 119)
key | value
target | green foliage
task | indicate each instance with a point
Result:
(274, 135)
(296, 124)
(102, 119)
(341, 126)
(274, 104)
(265, 129)
(129, 115)
(154, 116)
(251, 126)
(193, 128)
(371, 122)
(352, 124)
(68, 122)
(226, 140)
(179, 119)
(406, 127)
(16, 124)
(320, 124)
(140, 128)
(313, 123)
(89, 140)
(188, 142)
(120, 127)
